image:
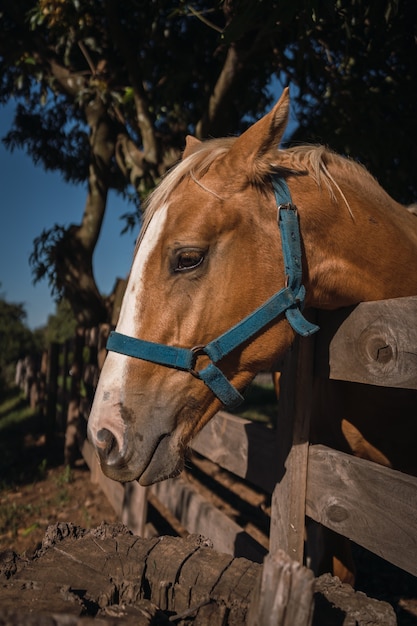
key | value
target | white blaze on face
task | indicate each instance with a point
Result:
(135, 291)
(109, 396)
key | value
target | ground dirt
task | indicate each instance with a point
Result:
(39, 490)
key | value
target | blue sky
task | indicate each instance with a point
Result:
(31, 200)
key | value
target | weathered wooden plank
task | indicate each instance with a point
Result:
(118, 291)
(283, 595)
(253, 445)
(102, 576)
(373, 343)
(338, 603)
(135, 507)
(191, 510)
(366, 502)
(129, 501)
(198, 515)
(168, 517)
(104, 331)
(52, 390)
(113, 491)
(236, 585)
(293, 427)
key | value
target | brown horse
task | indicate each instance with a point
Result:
(210, 252)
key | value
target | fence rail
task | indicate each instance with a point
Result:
(287, 477)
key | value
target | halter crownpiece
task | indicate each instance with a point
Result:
(288, 300)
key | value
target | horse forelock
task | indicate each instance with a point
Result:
(195, 165)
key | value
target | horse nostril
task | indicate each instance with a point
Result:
(105, 437)
(107, 446)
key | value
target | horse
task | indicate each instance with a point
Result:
(221, 282)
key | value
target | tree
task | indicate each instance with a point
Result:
(364, 102)
(16, 339)
(61, 325)
(108, 90)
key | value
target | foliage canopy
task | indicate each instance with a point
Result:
(16, 339)
(107, 91)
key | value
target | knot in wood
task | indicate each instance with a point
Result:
(377, 346)
(384, 354)
(379, 349)
(337, 513)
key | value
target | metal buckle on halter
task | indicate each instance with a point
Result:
(196, 352)
(288, 206)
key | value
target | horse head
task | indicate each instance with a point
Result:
(210, 252)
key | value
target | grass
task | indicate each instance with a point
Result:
(22, 518)
(14, 411)
(62, 481)
(65, 478)
(16, 465)
(24, 463)
(11, 516)
(17, 420)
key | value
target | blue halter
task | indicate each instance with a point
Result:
(288, 300)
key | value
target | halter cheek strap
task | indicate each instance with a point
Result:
(288, 300)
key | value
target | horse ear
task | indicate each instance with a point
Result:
(191, 144)
(256, 149)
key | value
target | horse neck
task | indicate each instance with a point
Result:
(370, 254)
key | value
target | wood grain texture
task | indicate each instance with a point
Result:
(373, 505)
(198, 515)
(283, 595)
(293, 427)
(107, 575)
(253, 446)
(373, 343)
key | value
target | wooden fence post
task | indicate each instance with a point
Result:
(284, 593)
(52, 386)
(71, 446)
(62, 391)
(135, 508)
(293, 428)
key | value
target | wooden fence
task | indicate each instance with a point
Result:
(249, 487)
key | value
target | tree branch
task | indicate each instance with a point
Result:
(102, 143)
(70, 82)
(213, 120)
(79, 285)
(144, 119)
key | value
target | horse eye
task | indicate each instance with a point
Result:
(189, 260)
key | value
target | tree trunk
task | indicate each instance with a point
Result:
(79, 284)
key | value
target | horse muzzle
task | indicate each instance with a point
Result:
(121, 462)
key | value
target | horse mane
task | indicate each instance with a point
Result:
(313, 160)
(317, 160)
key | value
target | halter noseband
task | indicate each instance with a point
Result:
(288, 300)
